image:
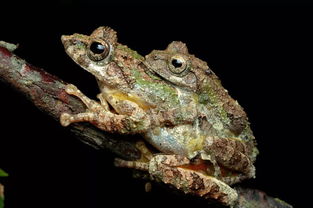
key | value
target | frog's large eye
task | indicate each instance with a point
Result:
(177, 64)
(98, 50)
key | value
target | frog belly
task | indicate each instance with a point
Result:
(184, 140)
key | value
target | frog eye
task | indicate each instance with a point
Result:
(177, 64)
(98, 50)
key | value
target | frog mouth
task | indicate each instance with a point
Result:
(153, 73)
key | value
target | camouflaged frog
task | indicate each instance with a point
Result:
(174, 101)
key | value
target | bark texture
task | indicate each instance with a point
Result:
(47, 93)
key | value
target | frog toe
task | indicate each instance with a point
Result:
(65, 119)
(71, 89)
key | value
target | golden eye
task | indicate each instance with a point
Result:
(98, 50)
(177, 64)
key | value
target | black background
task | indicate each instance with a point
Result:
(262, 53)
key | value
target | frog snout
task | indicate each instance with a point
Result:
(65, 40)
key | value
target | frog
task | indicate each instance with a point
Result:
(202, 139)
(229, 138)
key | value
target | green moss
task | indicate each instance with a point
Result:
(1, 202)
(3, 173)
(209, 97)
(204, 98)
(160, 89)
(283, 203)
(11, 47)
(81, 46)
(133, 53)
(79, 36)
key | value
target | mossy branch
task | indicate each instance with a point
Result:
(47, 93)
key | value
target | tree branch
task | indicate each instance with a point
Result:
(47, 93)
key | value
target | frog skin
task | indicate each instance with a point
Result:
(229, 140)
(202, 133)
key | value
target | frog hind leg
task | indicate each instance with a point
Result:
(231, 154)
(140, 164)
(170, 170)
(131, 164)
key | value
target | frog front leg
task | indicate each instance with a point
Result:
(100, 115)
(171, 169)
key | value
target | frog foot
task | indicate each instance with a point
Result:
(131, 164)
(142, 163)
(66, 119)
(92, 105)
(146, 154)
(170, 170)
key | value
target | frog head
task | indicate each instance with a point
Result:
(91, 52)
(101, 55)
(177, 66)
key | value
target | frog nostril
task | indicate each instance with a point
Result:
(156, 57)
